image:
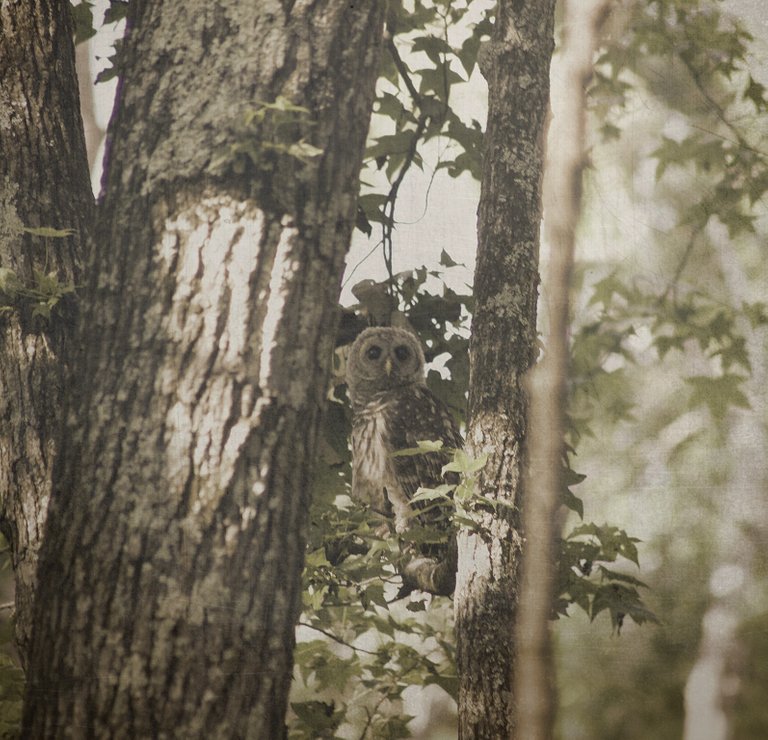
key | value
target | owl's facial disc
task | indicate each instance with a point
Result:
(393, 365)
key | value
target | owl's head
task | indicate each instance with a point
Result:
(383, 358)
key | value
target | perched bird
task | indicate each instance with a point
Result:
(393, 410)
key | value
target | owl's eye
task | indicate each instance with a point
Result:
(373, 352)
(402, 353)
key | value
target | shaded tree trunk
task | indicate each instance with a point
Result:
(567, 157)
(516, 65)
(170, 576)
(43, 183)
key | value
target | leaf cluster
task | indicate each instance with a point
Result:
(272, 129)
(45, 291)
(675, 321)
(413, 104)
(693, 56)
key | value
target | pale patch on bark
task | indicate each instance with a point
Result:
(215, 243)
(284, 271)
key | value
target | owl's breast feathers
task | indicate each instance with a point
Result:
(395, 420)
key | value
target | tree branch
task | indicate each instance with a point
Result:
(403, 71)
(335, 638)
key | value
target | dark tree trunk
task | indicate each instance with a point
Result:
(516, 64)
(171, 568)
(43, 183)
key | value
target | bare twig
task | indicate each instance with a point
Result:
(719, 111)
(336, 639)
(403, 71)
(388, 223)
(371, 715)
(680, 266)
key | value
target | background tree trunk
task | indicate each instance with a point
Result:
(170, 575)
(516, 64)
(567, 157)
(738, 541)
(43, 183)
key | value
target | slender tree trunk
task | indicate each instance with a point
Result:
(43, 183)
(516, 64)
(535, 680)
(171, 569)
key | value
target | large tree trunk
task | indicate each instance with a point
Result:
(516, 64)
(43, 183)
(170, 572)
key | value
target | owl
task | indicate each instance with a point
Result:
(392, 409)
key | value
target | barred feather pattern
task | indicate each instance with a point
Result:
(397, 420)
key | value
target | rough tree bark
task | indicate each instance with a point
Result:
(567, 157)
(170, 572)
(43, 183)
(516, 65)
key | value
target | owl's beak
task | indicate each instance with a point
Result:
(388, 366)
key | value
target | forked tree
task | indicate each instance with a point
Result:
(166, 352)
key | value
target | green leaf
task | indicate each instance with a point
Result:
(118, 9)
(303, 150)
(446, 260)
(390, 144)
(755, 92)
(438, 81)
(9, 282)
(573, 502)
(467, 55)
(604, 290)
(719, 394)
(321, 718)
(423, 446)
(441, 492)
(82, 16)
(49, 231)
(463, 463)
(756, 313)
(449, 683)
(734, 353)
(434, 47)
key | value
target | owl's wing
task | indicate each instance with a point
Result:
(419, 415)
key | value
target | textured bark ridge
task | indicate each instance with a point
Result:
(170, 575)
(43, 182)
(516, 64)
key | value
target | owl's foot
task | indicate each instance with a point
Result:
(426, 574)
